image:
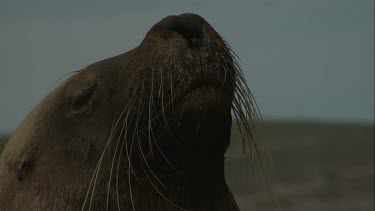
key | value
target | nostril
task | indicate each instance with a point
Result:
(188, 25)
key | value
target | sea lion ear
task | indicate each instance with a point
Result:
(23, 170)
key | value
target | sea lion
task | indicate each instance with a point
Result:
(144, 130)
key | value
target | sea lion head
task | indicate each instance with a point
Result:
(144, 130)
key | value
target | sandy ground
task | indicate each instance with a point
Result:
(316, 167)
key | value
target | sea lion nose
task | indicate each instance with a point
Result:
(188, 25)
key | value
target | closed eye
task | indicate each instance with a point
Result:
(84, 97)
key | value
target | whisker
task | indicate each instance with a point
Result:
(112, 164)
(157, 190)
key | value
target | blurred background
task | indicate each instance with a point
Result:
(310, 65)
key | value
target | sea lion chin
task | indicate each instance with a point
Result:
(144, 130)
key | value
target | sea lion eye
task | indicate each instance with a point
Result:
(83, 97)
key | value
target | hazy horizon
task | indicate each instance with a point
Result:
(310, 60)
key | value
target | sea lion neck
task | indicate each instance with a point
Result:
(200, 192)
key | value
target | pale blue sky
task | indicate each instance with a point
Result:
(304, 60)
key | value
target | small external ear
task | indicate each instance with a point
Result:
(23, 170)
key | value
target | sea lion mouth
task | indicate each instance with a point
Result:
(206, 96)
(202, 95)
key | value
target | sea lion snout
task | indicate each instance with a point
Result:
(190, 26)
